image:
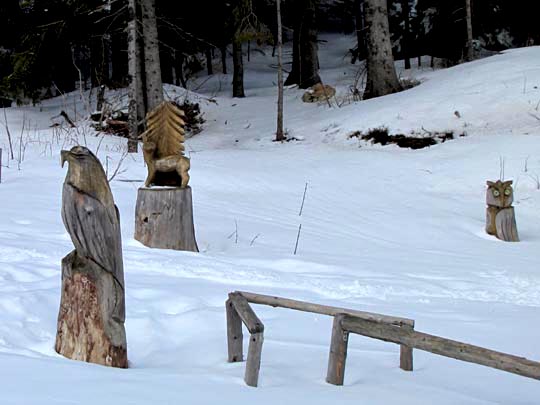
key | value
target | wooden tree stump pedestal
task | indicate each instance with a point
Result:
(91, 317)
(164, 218)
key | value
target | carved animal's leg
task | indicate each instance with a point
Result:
(182, 168)
(505, 221)
(491, 213)
(151, 176)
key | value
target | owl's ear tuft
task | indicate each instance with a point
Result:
(508, 183)
(490, 183)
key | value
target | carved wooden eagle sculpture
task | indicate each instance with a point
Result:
(92, 309)
(89, 213)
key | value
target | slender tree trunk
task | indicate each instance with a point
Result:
(360, 30)
(280, 135)
(209, 67)
(305, 66)
(470, 50)
(381, 72)
(405, 45)
(223, 51)
(136, 98)
(238, 67)
(152, 67)
(179, 67)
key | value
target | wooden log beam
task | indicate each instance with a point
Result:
(443, 347)
(246, 313)
(234, 334)
(338, 352)
(322, 309)
(253, 364)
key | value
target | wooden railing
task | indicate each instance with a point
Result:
(383, 327)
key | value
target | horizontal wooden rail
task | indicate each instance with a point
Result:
(441, 346)
(322, 309)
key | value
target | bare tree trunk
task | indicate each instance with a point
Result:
(209, 67)
(405, 45)
(360, 31)
(238, 67)
(223, 51)
(179, 67)
(152, 67)
(136, 99)
(381, 71)
(280, 136)
(468, 10)
(305, 66)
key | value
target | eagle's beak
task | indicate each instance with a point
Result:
(64, 156)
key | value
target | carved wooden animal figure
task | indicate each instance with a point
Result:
(500, 215)
(178, 164)
(92, 308)
(163, 147)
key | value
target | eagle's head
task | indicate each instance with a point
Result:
(86, 173)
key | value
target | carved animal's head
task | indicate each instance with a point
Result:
(500, 193)
(149, 146)
(86, 173)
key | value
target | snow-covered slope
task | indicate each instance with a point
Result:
(383, 229)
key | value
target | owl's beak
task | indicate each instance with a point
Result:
(64, 156)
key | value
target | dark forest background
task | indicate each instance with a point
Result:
(52, 46)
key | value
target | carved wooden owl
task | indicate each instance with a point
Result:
(500, 193)
(500, 215)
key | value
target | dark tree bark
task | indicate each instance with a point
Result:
(223, 51)
(405, 44)
(238, 66)
(209, 67)
(280, 135)
(381, 72)
(470, 50)
(360, 31)
(305, 66)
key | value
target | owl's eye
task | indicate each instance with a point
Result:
(496, 193)
(507, 192)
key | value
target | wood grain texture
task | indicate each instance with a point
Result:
(164, 219)
(246, 313)
(253, 363)
(321, 309)
(505, 223)
(92, 308)
(406, 354)
(338, 352)
(444, 347)
(234, 334)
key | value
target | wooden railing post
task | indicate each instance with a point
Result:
(253, 364)
(234, 333)
(406, 353)
(338, 352)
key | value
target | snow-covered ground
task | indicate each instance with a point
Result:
(384, 229)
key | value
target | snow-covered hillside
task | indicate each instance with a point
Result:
(384, 229)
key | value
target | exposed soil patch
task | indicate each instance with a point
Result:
(415, 140)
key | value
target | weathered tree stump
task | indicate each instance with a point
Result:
(164, 218)
(91, 320)
(92, 307)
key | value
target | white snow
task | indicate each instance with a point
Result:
(384, 229)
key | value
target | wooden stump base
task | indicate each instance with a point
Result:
(164, 218)
(91, 317)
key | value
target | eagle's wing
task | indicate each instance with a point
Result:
(94, 229)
